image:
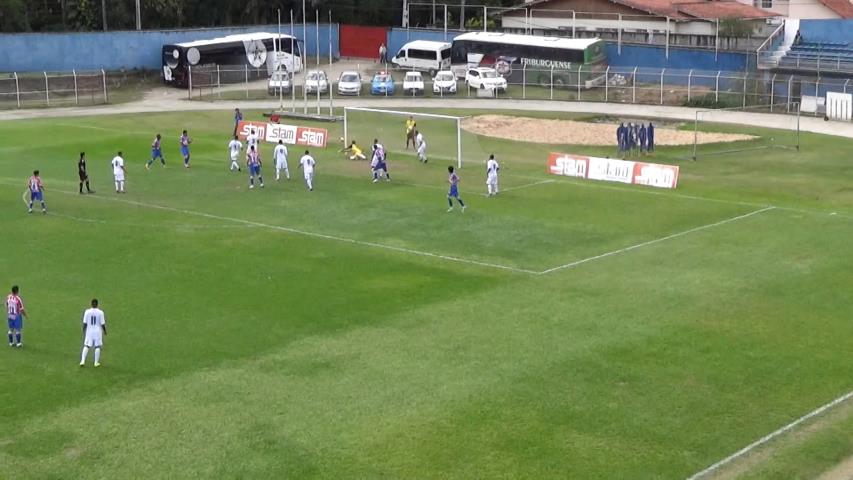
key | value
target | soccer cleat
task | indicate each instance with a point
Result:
(82, 364)
(450, 209)
(30, 210)
(463, 208)
(262, 185)
(147, 167)
(19, 345)
(375, 180)
(97, 364)
(251, 186)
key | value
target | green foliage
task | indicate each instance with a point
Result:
(736, 27)
(709, 100)
(12, 17)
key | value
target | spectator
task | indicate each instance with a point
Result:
(650, 138)
(238, 117)
(798, 38)
(383, 52)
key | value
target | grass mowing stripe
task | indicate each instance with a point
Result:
(770, 436)
(657, 240)
(313, 234)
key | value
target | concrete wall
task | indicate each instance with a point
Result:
(679, 58)
(811, 9)
(827, 31)
(126, 49)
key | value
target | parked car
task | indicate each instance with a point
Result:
(444, 82)
(423, 55)
(413, 83)
(382, 84)
(349, 83)
(483, 77)
(316, 81)
(280, 81)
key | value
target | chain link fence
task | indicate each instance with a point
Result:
(52, 89)
(639, 85)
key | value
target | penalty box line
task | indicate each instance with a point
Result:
(312, 234)
(770, 436)
(652, 242)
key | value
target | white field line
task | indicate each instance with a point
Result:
(770, 436)
(311, 234)
(526, 185)
(657, 240)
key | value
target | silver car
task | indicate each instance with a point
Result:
(280, 81)
(316, 81)
(349, 84)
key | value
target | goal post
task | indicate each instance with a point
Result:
(442, 133)
(778, 126)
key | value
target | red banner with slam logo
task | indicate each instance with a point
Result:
(613, 170)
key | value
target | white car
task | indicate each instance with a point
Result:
(482, 77)
(413, 83)
(316, 81)
(444, 82)
(349, 84)
(280, 80)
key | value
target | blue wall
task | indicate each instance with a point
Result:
(125, 49)
(827, 31)
(649, 56)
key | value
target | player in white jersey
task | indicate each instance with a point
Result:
(252, 140)
(306, 163)
(421, 145)
(234, 148)
(94, 330)
(118, 172)
(280, 157)
(492, 169)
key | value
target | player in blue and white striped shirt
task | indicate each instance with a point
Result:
(453, 179)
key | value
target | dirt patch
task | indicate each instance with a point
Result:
(539, 130)
(842, 471)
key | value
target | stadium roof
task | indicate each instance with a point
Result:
(843, 8)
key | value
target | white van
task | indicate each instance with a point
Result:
(423, 55)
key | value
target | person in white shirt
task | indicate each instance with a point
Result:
(492, 169)
(252, 140)
(306, 163)
(118, 172)
(94, 330)
(280, 157)
(234, 147)
(421, 145)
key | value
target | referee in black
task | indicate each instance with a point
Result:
(81, 171)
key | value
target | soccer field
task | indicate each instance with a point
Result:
(564, 329)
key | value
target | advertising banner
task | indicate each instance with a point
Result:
(288, 134)
(613, 170)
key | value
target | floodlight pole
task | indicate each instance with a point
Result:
(459, 143)
(138, 16)
(275, 66)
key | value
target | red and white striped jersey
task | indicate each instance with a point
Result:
(14, 305)
(34, 184)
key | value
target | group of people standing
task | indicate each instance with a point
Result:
(635, 138)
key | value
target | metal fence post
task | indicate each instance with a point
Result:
(717, 87)
(17, 89)
(76, 96)
(661, 85)
(607, 83)
(219, 83)
(772, 91)
(247, 80)
(634, 86)
(46, 89)
(552, 82)
(845, 85)
(619, 34)
(104, 81)
(524, 81)
(745, 76)
(190, 81)
(689, 82)
(790, 87)
(331, 97)
(579, 81)
(667, 37)
(816, 91)
(574, 23)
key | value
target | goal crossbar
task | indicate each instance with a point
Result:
(457, 120)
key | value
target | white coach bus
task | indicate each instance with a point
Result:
(263, 53)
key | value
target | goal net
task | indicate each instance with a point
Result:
(442, 134)
(771, 127)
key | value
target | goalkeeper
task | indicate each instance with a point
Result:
(410, 132)
(353, 152)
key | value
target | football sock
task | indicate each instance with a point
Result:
(97, 354)
(116, 186)
(450, 202)
(31, 205)
(84, 355)
(81, 187)
(11, 338)
(460, 202)
(88, 189)
(18, 337)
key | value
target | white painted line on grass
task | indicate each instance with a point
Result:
(312, 234)
(526, 185)
(657, 240)
(770, 436)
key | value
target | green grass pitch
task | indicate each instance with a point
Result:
(360, 331)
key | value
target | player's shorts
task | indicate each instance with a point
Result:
(16, 323)
(185, 151)
(254, 169)
(82, 176)
(94, 337)
(309, 174)
(454, 191)
(410, 133)
(492, 179)
(281, 164)
(119, 177)
(36, 196)
(156, 153)
(234, 157)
